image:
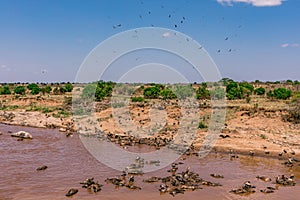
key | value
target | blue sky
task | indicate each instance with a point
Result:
(47, 40)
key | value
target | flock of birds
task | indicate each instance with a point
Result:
(177, 24)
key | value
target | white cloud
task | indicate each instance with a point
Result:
(289, 45)
(284, 45)
(258, 3)
(5, 67)
(166, 34)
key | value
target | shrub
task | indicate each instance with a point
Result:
(152, 92)
(202, 92)
(183, 91)
(137, 99)
(247, 85)
(34, 88)
(19, 90)
(202, 125)
(167, 94)
(103, 89)
(260, 91)
(62, 90)
(68, 87)
(32, 85)
(4, 90)
(248, 99)
(89, 91)
(218, 93)
(280, 93)
(294, 112)
(238, 90)
(47, 89)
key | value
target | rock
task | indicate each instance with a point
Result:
(71, 192)
(63, 130)
(22, 134)
(43, 167)
(263, 178)
(268, 190)
(216, 175)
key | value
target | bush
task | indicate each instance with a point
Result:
(202, 92)
(89, 91)
(248, 99)
(183, 91)
(152, 92)
(32, 85)
(234, 93)
(202, 125)
(280, 93)
(137, 99)
(247, 85)
(218, 93)
(47, 89)
(19, 90)
(4, 90)
(34, 88)
(238, 90)
(294, 112)
(260, 91)
(62, 90)
(167, 94)
(103, 89)
(68, 87)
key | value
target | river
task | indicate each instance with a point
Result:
(70, 163)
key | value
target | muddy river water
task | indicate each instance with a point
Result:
(70, 163)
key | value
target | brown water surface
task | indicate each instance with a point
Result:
(69, 163)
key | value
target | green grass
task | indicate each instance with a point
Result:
(137, 99)
(11, 107)
(202, 125)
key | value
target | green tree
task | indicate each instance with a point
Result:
(167, 93)
(103, 89)
(34, 88)
(202, 92)
(152, 92)
(19, 90)
(282, 93)
(68, 87)
(260, 91)
(48, 89)
(4, 90)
